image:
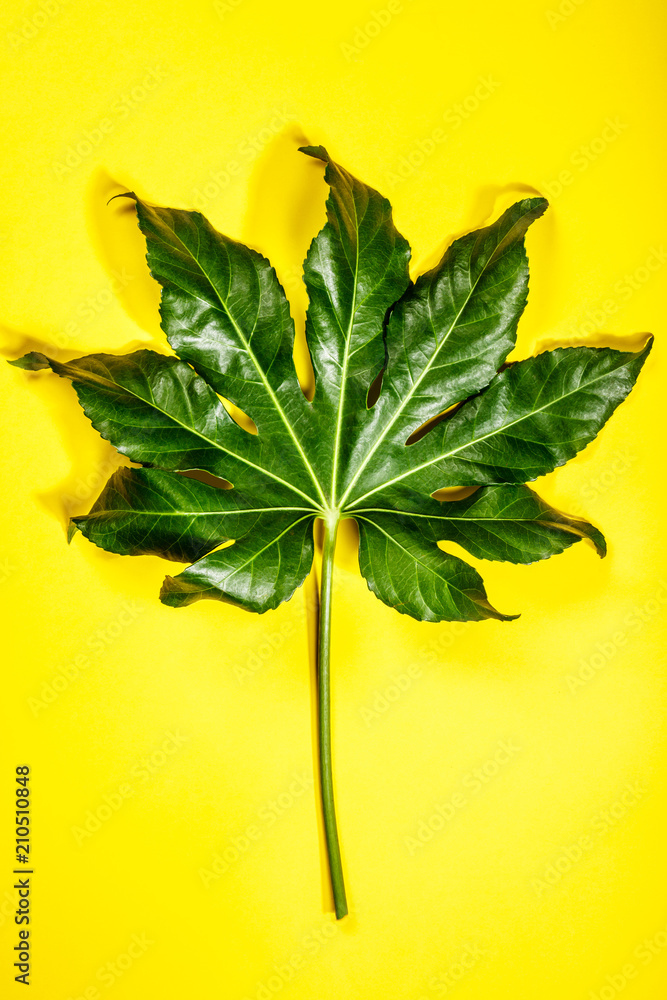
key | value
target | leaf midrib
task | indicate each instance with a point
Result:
(346, 358)
(187, 513)
(484, 437)
(430, 363)
(255, 555)
(411, 555)
(253, 358)
(192, 430)
(444, 517)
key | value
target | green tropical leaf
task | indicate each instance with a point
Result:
(507, 523)
(448, 336)
(159, 412)
(412, 394)
(152, 512)
(534, 416)
(258, 572)
(355, 270)
(409, 573)
(225, 313)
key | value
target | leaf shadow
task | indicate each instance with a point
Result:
(285, 210)
(486, 204)
(121, 250)
(118, 246)
(92, 458)
(599, 338)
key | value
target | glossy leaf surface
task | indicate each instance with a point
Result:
(449, 412)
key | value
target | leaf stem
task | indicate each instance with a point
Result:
(324, 706)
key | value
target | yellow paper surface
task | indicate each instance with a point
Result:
(500, 787)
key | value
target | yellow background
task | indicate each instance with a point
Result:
(203, 105)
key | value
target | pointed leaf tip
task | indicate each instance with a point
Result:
(32, 362)
(538, 204)
(493, 612)
(166, 589)
(175, 593)
(123, 194)
(319, 152)
(72, 529)
(598, 541)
